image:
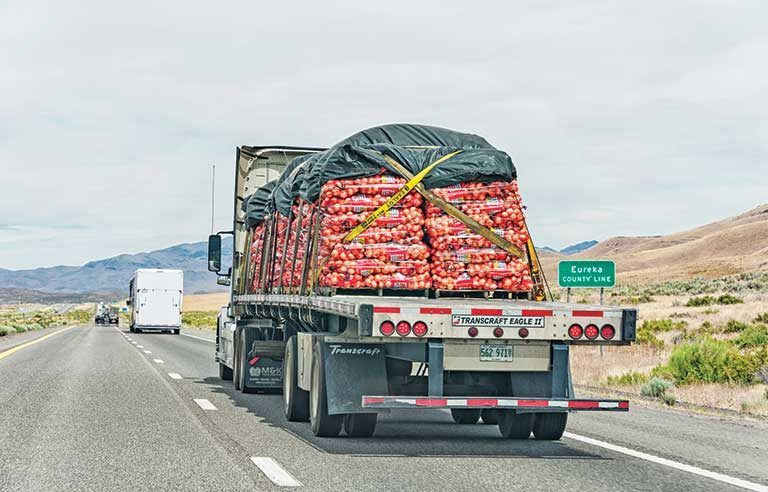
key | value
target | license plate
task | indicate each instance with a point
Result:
(496, 352)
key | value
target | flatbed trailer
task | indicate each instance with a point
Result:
(339, 360)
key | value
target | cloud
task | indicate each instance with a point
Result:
(621, 120)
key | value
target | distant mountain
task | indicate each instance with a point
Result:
(569, 250)
(13, 295)
(734, 245)
(113, 274)
(577, 248)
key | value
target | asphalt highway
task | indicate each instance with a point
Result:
(99, 408)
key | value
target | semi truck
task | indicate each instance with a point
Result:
(342, 356)
(155, 300)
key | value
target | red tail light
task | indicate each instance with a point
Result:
(403, 328)
(575, 331)
(607, 332)
(591, 332)
(420, 328)
(523, 332)
(498, 332)
(387, 328)
(472, 332)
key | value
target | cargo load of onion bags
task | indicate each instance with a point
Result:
(390, 254)
(286, 231)
(254, 207)
(355, 177)
(464, 260)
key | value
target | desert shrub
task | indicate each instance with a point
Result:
(642, 298)
(199, 319)
(729, 299)
(679, 315)
(700, 301)
(755, 335)
(655, 388)
(660, 325)
(733, 326)
(20, 328)
(631, 377)
(710, 311)
(669, 399)
(646, 337)
(708, 360)
(6, 330)
(761, 318)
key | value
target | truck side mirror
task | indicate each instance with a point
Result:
(214, 253)
(128, 302)
(224, 280)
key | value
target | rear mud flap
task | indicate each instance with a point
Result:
(351, 371)
(265, 363)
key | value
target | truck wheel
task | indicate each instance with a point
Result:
(295, 399)
(515, 426)
(323, 424)
(136, 330)
(360, 424)
(465, 416)
(244, 367)
(489, 416)
(177, 331)
(225, 373)
(549, 426)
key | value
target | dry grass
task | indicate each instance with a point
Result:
(205, 302)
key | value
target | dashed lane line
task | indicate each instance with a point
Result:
(204, 404)
(174, 375)
(276, 473)
(159, 361)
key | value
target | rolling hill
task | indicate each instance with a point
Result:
(733, 245)
(113, 274)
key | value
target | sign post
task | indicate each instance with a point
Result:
(585, 274)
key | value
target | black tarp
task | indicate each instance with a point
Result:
(289, 183)
(413, 146)
(255, 204)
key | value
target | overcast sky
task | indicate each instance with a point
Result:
(623, 118)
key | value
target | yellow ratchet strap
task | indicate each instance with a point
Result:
(394, 199)
(457, 214)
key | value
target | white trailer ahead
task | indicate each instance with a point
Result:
(155, 300)
(342, 359)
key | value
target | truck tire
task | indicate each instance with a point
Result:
(225, 373)
(549, 426)
(465, 416)
(244, 366)
(515, 425)
(360, 424)
(323, 424)
(490, 416)
(136, 330)
(177, 331)
(295, 399)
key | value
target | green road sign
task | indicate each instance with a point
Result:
(586, 273)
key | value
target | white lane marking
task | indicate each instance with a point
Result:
(133, 343)
(199, 338)
(139, 346)
(204, 404)
(147, 352)
(275, 472)
(174, 375)
(159, 361)
(672, 464)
